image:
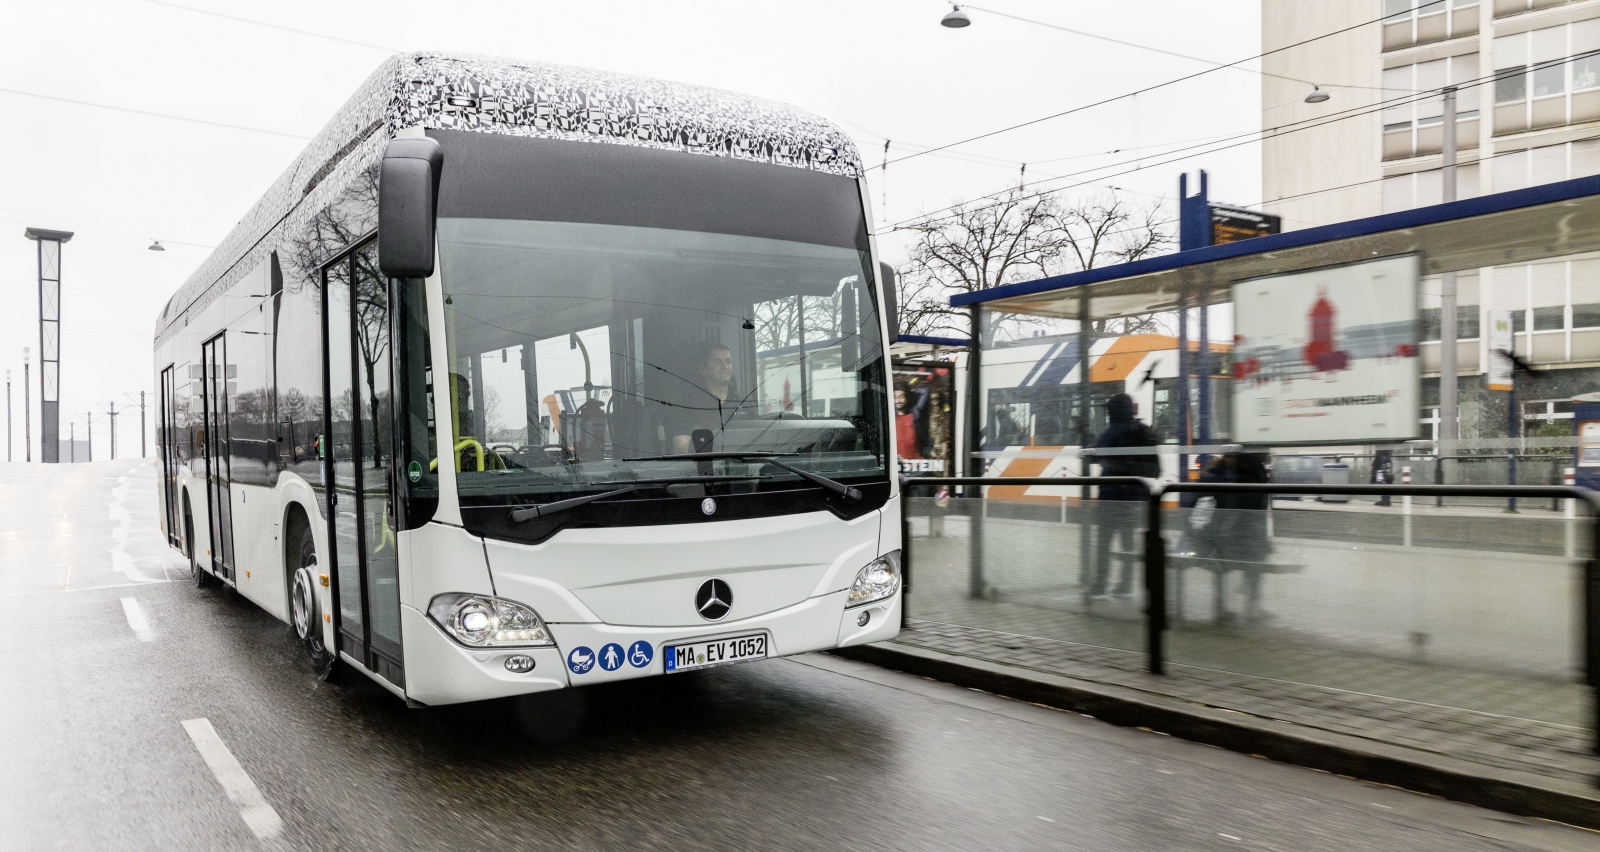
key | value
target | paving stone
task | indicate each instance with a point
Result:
(1499, 740)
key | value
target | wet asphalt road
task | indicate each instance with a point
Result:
(808, 753)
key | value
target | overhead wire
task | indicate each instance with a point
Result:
(1234, 65)
(273, 26)
(1136, 92)
(81, 224)
(152, 113)
(1292, 127)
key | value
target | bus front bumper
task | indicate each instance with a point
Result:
(441, 671)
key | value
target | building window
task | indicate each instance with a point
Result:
(1586, 316)
(1550, 79)
(1549, 319)
(1396, 7)
(1428, 324)
(1586, 72)
(1510, 85)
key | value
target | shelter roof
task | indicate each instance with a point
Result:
(1520, 226)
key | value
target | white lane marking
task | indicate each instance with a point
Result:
(136, 619)
(1046, 819)
(1228, 836)
(258, 815)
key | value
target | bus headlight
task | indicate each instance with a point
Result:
(481, 621)
(876, 580)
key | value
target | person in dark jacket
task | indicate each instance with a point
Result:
(1231, 527)
(1119, 506)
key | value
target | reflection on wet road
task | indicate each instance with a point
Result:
(154, 715)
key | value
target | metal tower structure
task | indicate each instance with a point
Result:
(50, 243)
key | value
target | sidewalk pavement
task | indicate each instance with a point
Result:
(1514, 764)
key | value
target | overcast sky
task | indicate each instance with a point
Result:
(879, 68)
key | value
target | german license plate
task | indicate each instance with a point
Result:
(714, 652)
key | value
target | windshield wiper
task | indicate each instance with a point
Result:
(837, 487)
(544, 510)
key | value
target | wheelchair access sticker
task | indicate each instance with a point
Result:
(640, 654)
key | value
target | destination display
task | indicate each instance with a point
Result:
(1232, 224)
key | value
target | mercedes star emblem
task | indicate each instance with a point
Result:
(709, 506)
(713, 600)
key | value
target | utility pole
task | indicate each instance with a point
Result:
(72, 440)
(8, 415)
(27, 412)
(141, 422)
(113, 429)
(88, 418)
(1449, 412)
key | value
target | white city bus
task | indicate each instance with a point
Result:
(526, 377)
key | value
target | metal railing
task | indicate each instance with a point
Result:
(1154, 556)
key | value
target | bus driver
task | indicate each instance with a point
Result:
(712, 409)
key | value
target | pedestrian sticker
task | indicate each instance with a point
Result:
(611, 657)
(580, 659)
(640, 653)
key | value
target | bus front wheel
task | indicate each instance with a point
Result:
(305, 604)
(203, 579)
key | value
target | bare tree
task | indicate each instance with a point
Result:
(1109, 229)
(1016, 237)
(974, 247)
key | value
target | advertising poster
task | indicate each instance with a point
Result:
(924, 418)
(1502, 370)
(1328, 355)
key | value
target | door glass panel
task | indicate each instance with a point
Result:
(218, 496)
(371, 343)
(167, 449)
(340, 457)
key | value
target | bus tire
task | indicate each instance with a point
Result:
(203, 579)
(553, 717)
(305, 605)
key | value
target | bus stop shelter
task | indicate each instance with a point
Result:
(1486, 233)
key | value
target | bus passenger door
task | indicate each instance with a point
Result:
(360, 456)
(219, 498)
(167, 450)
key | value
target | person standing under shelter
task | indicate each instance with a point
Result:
(1118, 508)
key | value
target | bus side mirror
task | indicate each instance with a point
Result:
(891, 300)
(408, 204)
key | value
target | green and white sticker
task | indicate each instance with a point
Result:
(414, 471)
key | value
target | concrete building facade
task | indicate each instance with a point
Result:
(1527, 74)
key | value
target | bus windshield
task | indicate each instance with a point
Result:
(581, 354)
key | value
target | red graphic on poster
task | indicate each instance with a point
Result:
(1320, 352)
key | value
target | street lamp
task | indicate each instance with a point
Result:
(1317, 95)
(955, 19)
(155, 245)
